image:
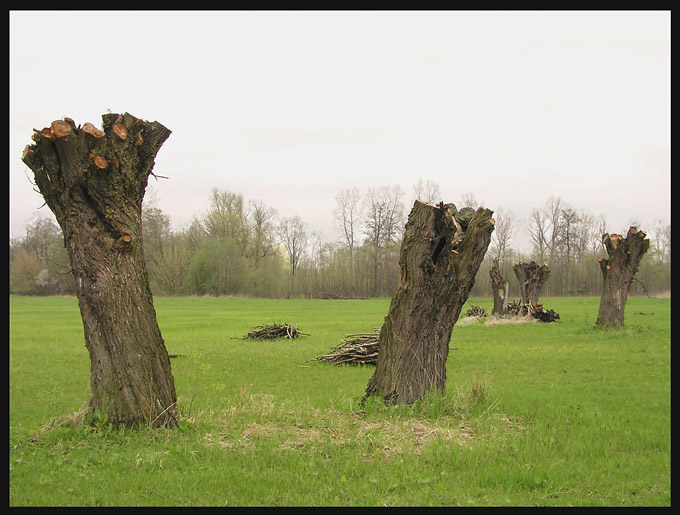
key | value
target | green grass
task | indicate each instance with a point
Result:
(535, 414)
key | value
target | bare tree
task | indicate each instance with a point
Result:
(570, 221)
(227, 217)
(293, 235)
(156, 229)
(661, 248)
(469, 200)
(553, 209)
(546, 229)
(93, 181)
(427, 192)
(347, 217)
(394, 227)
(263, 220)
(40, 234)
(383, 223)
(502, 234)
(538, 228)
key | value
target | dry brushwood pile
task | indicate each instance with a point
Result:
(544, 315)
(274, 331)
(476, 311)
(357, 349)
(534, 310)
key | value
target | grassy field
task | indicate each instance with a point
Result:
(535, 414)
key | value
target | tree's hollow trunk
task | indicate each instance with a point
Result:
(94, 181)
(440, 254)
(618, 272)
(531, 277)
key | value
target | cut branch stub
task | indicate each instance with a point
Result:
(92, 130)
(120, 131)
(60, 129)
(46, 133)
(439, 260)
(124, 243)
(100, 162)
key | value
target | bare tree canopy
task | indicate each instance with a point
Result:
(293, 234)
(383, 223)
(427, 191)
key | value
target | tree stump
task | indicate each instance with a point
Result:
(531, 277)
(500, 289)
(439, 260)
(94, 182)
(618, 272)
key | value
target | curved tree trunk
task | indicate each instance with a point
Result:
(94, 182)
(618, 272)
(531, 277)
(439, 259)
(500, 289)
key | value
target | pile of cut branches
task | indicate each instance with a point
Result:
(356, 349)
(274, 331)
(545, 315)
(534, 310)
(476, 311)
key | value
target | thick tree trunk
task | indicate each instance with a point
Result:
(618, 272)
(500, 289)
(94, 182)
(531, 277)
(439, 259)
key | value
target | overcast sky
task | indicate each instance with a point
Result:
(291, 107)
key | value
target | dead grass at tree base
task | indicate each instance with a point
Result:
(494, 320)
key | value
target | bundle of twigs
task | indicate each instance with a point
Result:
(274, 331)
(356, 349)
(545, 315)
(534, 310)
(476, 311)
(517, 308)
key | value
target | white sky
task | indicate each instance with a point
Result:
(291, 107)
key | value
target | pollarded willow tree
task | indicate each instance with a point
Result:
(94, 181)
(440, 254)
(500, 287)
(618, 272)
(531, 277)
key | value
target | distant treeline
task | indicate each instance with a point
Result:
(242, 247)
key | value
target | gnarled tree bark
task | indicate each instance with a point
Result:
(94, 182)
(531, 277)
(500, 289)
(439, 258)
(618, 272)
